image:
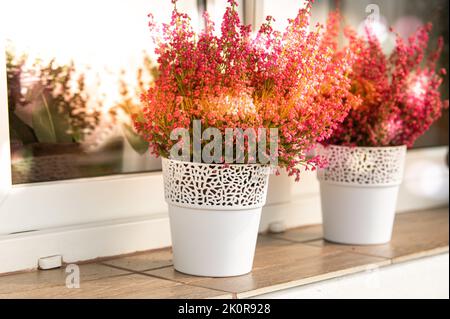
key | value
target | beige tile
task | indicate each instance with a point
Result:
(41, 279)
(415, 235)
(301, 234)
(155, 259)
(281, 261)
(126, 286)
(281, 265)
(143, 261)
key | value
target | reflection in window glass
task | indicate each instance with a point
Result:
(216, 9)
(75, 71)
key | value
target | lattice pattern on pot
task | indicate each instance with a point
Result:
(218, 186)
(362, 165)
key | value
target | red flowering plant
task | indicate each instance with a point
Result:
(287, 80)
(399, 93)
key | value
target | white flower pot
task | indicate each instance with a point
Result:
(359, 191)
(214, 213)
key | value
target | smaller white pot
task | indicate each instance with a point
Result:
(359, 191)
(214, 213)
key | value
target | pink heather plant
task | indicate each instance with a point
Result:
(290, 81)
(400, 93)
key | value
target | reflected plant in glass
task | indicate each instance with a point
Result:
(61, 127)
(77, 122)
(49, 117)
(130, 106)
(48, 100)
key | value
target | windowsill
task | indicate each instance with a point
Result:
(292, 259)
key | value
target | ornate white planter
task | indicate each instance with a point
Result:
(359, 191)
(214, 213)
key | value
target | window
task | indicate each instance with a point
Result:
(75, 71)
(95, 177)
(74, 171)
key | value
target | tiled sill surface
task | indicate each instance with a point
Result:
(297, 257)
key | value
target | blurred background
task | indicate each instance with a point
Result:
(76, 69)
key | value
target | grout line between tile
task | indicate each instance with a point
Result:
(50, 286)
(145, 273)
(184, 283)
(310, 280)
(419, 255)
(384, 262)
(137, 272)
(132, 270)
(298, 241)
(278, 237)
(399, 259)
(345, 249)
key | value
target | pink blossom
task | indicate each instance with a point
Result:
(399, 94)
(293, 80)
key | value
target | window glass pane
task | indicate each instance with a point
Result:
(75, 71)
(405, 16)
(216, 10)
(282, 10)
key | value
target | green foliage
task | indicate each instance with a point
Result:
(137, 142)
(50, 125)
(58, 103)
(130, 106)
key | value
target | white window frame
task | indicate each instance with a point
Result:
(88, 218)
(69, 202)
(79, 219)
